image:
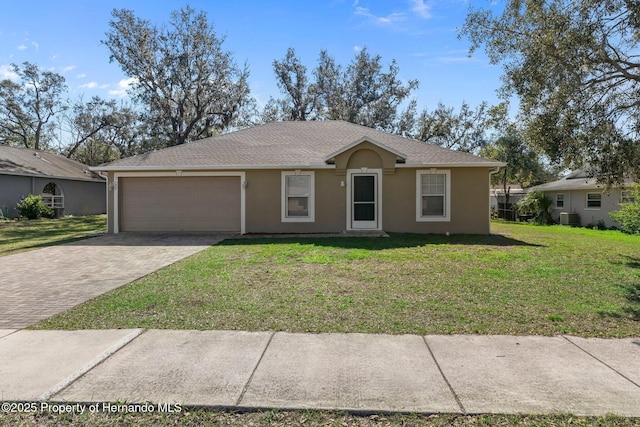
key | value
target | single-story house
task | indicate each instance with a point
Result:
(65, 185)
(580, 200)
(301, 177)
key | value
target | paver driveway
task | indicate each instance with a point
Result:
(35, 285)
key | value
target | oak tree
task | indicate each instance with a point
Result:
(575, 67)
(189, 86)
(27, 107)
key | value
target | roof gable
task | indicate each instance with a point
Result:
(360, 141)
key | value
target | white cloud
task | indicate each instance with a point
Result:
(36, 45)
(423, 10)
(68, 68)
(81, 76)
(90, 85)
(6, 73)
(380, 20)
(123, 86)
(357, 48)
(22, 47)
(456, 59)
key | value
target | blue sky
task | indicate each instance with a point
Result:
(65, 36)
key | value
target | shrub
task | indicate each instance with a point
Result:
(629, 213)
(537, 205)
(32, 207)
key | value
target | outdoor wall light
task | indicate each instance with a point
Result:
(245, 184)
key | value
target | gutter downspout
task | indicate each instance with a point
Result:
(491, 172)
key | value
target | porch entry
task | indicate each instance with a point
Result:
(364, 199)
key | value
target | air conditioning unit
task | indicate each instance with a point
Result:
(571, 219)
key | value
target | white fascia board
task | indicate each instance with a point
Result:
(207, 168)
(452, 165)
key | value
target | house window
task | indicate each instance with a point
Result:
(298, 197)
(594, 200)
(433, 195)
(559, 200)
(52, 196)
(627, 197)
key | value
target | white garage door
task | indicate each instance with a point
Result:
(193, 203)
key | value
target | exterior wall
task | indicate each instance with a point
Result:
(80, 197)
(575, 201)
(12, 189)
(264, 204)
(469, 203)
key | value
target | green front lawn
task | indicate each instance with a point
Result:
(525, 280)
(23, 235)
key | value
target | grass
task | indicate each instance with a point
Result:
(306, 418)
(23, 235)
(524, 280)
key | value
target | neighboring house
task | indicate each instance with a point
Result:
(498, 200)
(580, 200)
(301, 177)
(67, 186)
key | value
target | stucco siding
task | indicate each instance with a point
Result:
(469, 203)
(12, 189)
(575, 201)
(264, 204)
(80, 197)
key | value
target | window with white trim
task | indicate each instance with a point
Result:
(298, 196)
(594, 200)
(433, 195)
(559, 200)
(627, 196)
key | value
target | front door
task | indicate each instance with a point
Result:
(364, 201)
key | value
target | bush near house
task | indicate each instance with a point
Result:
(538, 205)
(629, 213)
(32, 207)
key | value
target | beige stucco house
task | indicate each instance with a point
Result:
(580, 200)
(301, 177)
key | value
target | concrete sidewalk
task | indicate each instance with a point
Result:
(357, 372)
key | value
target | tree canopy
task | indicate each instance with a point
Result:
(575, 67)
(27, 108)
(189, 86)
(362, 92)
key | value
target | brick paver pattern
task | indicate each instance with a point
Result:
(37, 284)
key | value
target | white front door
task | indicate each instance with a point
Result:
(364, 201)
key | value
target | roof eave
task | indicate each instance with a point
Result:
(286, 166)
(69, 178)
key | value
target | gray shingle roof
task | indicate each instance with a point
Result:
(287, 144)
(577, 180)
(29, 162)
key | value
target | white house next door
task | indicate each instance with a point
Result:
(364, 200)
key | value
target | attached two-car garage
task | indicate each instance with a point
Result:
(180, 203)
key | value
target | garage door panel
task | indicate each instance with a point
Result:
(180, 203)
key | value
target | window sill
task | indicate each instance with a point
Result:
(433, 219)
